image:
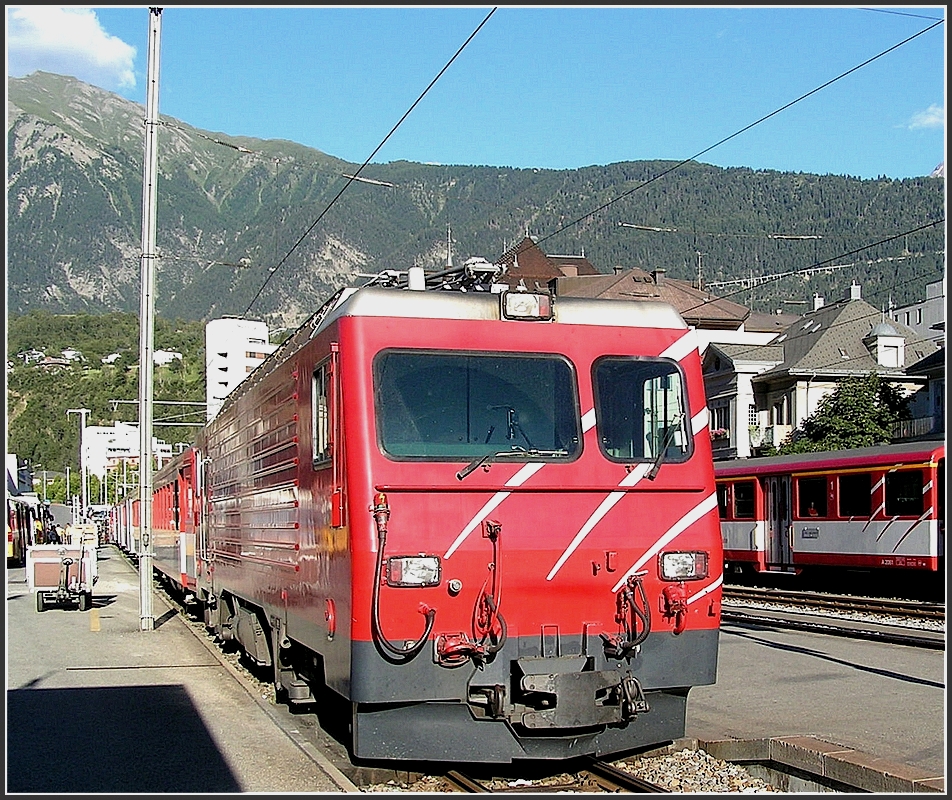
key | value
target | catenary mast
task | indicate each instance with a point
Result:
(147, 324)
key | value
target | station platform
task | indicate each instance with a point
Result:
(96, 705)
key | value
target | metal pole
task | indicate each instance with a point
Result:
(82, 452)
(147, 323)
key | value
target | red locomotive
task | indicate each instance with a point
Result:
(486, 520)
(873, 508)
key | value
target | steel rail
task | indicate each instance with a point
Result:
(849, 628)
(911, 609)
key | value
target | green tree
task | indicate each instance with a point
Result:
(860, 412)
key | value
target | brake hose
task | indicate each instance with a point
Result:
(381, 512)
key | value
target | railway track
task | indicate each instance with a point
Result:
(913, 610)
(905, 622)
(595, 777)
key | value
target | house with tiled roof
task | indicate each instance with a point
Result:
(713, 318)
(802, 365)
(528, 266)
(729, 370)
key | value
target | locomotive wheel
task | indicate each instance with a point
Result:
(40, 606)
(85, 601)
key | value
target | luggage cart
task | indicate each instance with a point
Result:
(61, 574)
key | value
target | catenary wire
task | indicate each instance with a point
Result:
(352, 178)
(827, 261)
(746, 128)
(273, 270)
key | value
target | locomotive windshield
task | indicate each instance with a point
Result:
(452, 406)
(640, 407)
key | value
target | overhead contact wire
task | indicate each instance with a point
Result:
(739, 132)
(352, 178)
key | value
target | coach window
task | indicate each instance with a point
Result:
(855, 499)
(640, 409)
(320, 388)
(811, 493)
(904, 493)
(744, 500)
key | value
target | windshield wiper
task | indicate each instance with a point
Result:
(669, 435)
(516, 451)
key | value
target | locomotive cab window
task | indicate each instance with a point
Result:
(812, 497)
(904, 493)
(320, 403)
(448, 406)
(855, 499)
(641, 409)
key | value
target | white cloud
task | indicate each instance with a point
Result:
(932, 117)
(67, 41)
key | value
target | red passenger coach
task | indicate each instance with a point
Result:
(486, 520)
(174, 514)
(880, 508)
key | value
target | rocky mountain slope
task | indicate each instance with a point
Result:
(262, 228)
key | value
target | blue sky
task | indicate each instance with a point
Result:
(555, 87)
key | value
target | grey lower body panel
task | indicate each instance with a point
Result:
(439, 731)
(525, 704)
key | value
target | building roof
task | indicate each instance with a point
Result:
(759, 322)
(829, 342)
(698, 307)
(737, 353)
(527, 263)
(932, 366)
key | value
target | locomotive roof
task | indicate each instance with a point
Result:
(375, 301)
(853, 458)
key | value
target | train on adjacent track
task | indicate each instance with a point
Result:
(22, 513)
(870, 510)
(484, 518)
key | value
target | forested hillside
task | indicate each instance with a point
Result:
(273, 228)
(38, 427)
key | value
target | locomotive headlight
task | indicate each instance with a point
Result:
(683, 566)
(413, 571)
(525, 305)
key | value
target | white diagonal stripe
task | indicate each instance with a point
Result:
(706, 590)
(526, 472)
(588, 420)
(705, 506)
(682, 347)
(699, 421)
(604, 507)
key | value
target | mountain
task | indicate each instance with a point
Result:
(262, 227)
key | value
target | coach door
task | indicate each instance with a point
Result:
(200, 515)
(777, 502)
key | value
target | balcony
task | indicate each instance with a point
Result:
(770, 435)
(918, 428)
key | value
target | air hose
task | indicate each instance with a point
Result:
(381, 512)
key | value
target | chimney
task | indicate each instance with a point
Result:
(658, 275)
(855, 291)
(616, 270)
(817, 302)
